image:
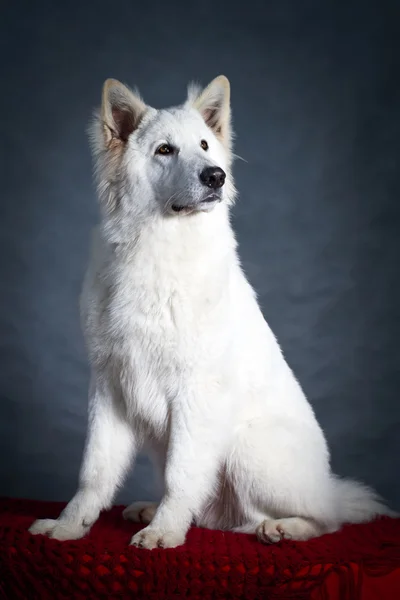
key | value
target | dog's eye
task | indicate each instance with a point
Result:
(165, 149)
(204, 144)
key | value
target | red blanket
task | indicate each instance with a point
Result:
(359, 562)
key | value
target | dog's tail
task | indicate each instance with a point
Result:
(358, 503)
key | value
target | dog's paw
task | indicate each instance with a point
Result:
(293, 528)
(270, 532)
(154, 538)
(58, 530)
(140, 512)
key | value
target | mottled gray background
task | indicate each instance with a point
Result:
(315, 92)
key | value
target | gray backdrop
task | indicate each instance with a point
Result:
(315, 92)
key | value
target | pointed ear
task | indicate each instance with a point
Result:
(121, 111)
(213, 104)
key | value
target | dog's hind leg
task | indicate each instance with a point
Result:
(140, 512)
(283, 482)
(291, 528)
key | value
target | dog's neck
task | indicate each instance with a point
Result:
(169, 250)
(176, 235)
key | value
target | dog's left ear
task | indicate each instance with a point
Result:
(213, 103)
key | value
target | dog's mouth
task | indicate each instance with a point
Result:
(204, 205)
(177, 208)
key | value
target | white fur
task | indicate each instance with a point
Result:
(181, 356)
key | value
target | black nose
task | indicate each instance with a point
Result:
(213, 177)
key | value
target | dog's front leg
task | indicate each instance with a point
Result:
(109, 447)
(200, 427)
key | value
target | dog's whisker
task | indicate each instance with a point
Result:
(239, 157)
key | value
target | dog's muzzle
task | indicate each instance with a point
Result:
(212, 178)
(205, 204)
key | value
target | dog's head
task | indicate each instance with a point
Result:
(173, 161)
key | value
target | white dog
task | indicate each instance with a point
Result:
(181, 356)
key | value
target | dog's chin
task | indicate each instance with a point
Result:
(207, 204)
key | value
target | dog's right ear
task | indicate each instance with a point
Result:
(121, 111)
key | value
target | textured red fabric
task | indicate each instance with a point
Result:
(358, 563)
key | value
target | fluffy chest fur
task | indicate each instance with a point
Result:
(156, 311)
